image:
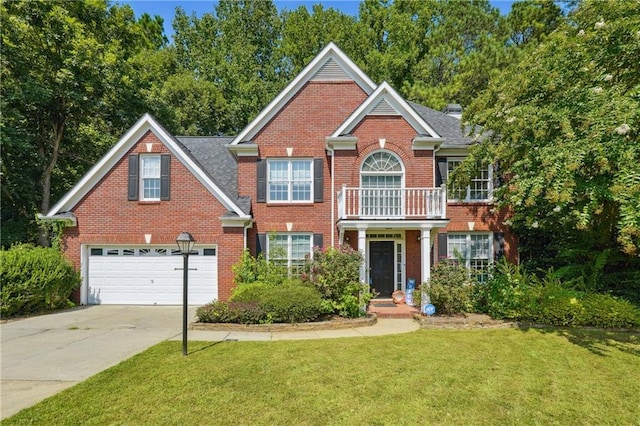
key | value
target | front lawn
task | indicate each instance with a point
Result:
(501, 376)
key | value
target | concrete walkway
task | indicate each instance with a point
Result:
(45, 354)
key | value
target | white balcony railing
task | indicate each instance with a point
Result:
(392, 203)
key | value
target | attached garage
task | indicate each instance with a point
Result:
(149, 275)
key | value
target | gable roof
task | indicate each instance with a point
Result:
(119, 150)
(385, 100)
(323, 65)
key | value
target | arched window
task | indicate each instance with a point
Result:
(382, 180)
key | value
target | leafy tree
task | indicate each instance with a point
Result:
(235, 47)
(66, 94)
(304, 34)
(563, 124)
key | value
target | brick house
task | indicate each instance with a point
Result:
(333, 159)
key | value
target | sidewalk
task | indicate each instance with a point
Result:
(383, 326)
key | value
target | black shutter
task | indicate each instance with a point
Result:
(133, 177)
(318, 184)
(442, 246)
(165, 177)
(441, 171)
(261, 244)
(498, 245)
(317, 240)
(262, 181)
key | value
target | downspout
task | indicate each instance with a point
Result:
(333, 195)
(246, 226)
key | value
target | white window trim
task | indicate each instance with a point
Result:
(401, 174)
(467, 198)
(289, 236)
(467, 260)
(141, 196)
(289, 199)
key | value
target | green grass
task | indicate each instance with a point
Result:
(500, 376)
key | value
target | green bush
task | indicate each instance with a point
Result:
(514, 294)
(451, 288)
(292, 303)
(603, 310)
(262, 303)
(506, 291)
(335, 273)
(251, 269)
(35, 279)
(553, 304)
(231, 312)
(251, 292)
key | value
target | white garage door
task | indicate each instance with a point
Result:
(150, 275)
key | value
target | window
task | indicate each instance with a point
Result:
(290, 250)
(150, 177)
(382, 180)
(479, 189)
(290, 181)
(474, 249)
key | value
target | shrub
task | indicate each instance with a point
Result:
(292, 303)
(251, 292)
(250, 269)
(231, 312)
(262, 303)
(506, 291)
(603, 310)
(335, 273)
(35, 279)
(553, 304)
(450, 288)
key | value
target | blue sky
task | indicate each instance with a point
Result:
(166, 8)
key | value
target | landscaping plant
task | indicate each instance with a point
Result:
(512, 293)
(35, 279)
(451, 288)
(335, 273)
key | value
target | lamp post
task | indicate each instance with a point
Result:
(185, 243)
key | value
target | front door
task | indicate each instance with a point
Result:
(381, 266)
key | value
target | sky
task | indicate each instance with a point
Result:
(166, 8)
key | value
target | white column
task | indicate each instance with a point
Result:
(425, 252)
(362, 247)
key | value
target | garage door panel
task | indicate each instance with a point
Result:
(148, 278)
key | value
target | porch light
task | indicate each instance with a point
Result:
(185, 243)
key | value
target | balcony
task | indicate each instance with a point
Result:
(392, 203)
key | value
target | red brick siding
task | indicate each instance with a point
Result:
(314, 113)
(106, 217)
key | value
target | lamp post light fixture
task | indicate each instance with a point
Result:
(185, 243)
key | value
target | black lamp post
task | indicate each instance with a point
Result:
(185, 243)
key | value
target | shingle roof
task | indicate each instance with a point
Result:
(214, 158)
(447, 126)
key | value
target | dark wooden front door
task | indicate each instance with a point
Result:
(381, 266)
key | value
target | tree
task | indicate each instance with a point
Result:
(305, 34)
(66, 94)
(563, 124)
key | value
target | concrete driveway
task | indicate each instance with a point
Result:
(45, 354)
